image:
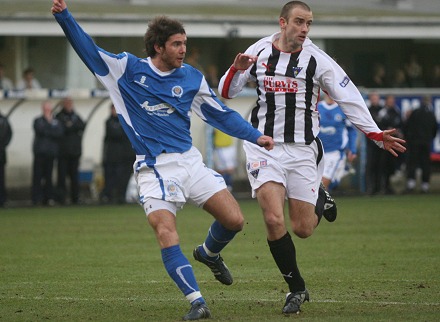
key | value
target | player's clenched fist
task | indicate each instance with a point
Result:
(58, 6)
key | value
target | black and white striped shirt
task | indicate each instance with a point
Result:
(288, 87)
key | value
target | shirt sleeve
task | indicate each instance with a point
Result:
(83, 44)
(338, 85)
(211, 110)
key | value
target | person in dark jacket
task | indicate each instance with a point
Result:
(389, 118)
(374, 153)
(5, 138)
(118, 158)
(48, 131)
(70, 151)
(420, 130)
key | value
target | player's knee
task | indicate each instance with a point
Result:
(238, 223)
(303, 233)
(303, 229)
(273, 222)
(234, 222)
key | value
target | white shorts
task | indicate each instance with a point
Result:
(225, 158)
(176, 178)
(334, 167)
(297, 166)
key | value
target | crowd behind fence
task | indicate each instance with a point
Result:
(21, 107)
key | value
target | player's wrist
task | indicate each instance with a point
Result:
(234, 69)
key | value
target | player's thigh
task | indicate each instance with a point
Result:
(225, 209)
(271, 197)
(303, 219)
(163, 223)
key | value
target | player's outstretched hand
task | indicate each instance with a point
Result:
(244, 61)
(58, 6)
(392, 143)
(266, 142)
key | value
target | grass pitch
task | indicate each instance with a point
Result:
(378, 262)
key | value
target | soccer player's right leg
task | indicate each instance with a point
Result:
(271, 199)
(163, 222)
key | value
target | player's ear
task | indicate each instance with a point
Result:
(157, 48)
(282, 22)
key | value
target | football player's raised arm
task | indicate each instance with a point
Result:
(81, 42)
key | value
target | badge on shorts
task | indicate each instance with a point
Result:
(256, 164)
(172, 189)
(255, 173)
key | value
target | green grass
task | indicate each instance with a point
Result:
(378, 262)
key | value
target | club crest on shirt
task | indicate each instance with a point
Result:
(296, 71)
(177, 91)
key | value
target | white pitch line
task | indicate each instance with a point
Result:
(131, 299)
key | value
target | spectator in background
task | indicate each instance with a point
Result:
(420, 129)
(399, 80)
(70, 151)
(5, 83)
(5, 138)
(212, 76)
(338, 138)
(435, 77)
(193, 59)
(118, 159)
(28, 81)
(414, 72)
(379, 77)
(48, 131)
(374, 153)
(225, 156)
(389, 118)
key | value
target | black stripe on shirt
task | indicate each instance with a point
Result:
(270, 97)
(289, 125)
(308, 124)
(254, 114)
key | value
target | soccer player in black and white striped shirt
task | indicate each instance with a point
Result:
(289, 71)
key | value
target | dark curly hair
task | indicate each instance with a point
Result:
(159, 30)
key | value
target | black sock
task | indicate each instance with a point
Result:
(284, 254)
(319, 208)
